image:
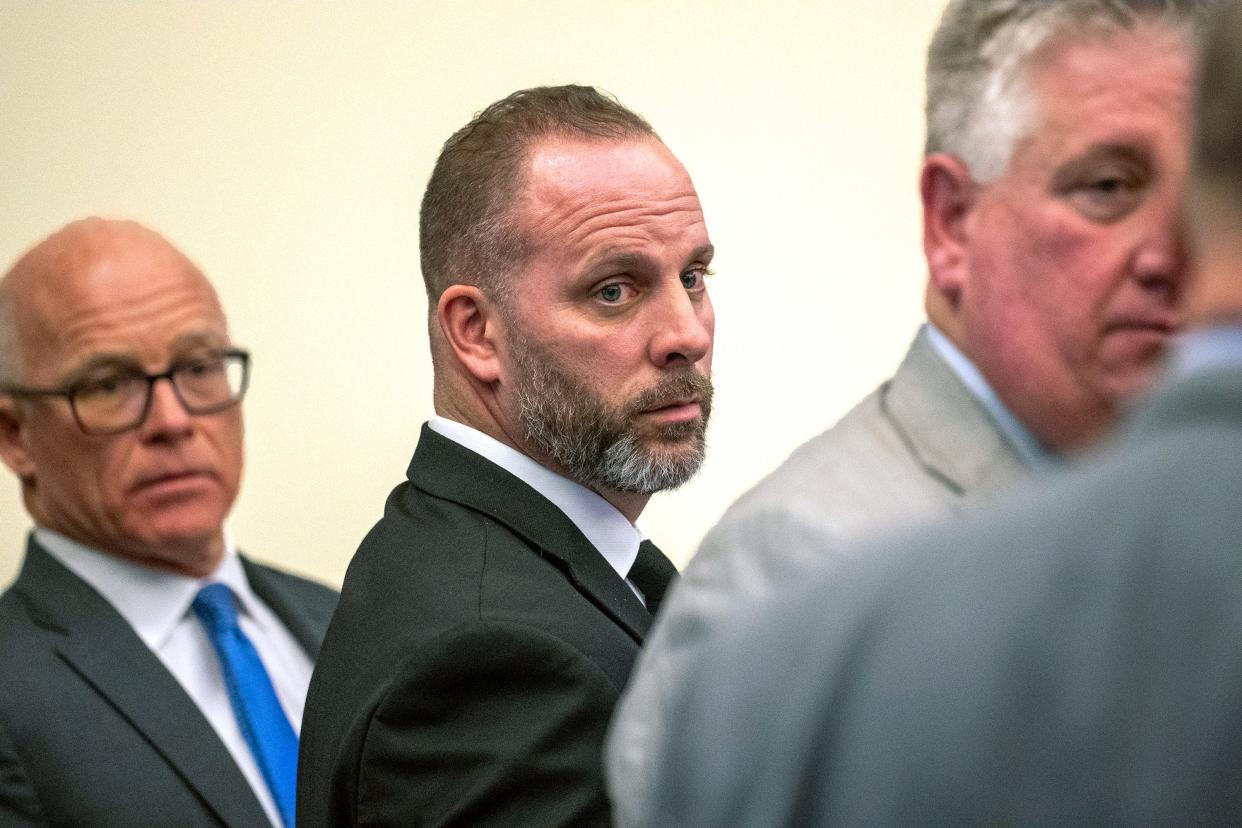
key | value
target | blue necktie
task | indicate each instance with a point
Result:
(259, 714)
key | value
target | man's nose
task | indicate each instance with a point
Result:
(684, 328)
(166, 415)
(1161, 261)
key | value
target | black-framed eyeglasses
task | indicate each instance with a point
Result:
(119, 399)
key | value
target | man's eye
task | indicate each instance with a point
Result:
(1107, 197)
(614, 292)
(1108, 186)
(202, 367)
(114, 385)
(693, 279)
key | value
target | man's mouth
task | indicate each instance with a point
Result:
(676, 411)
(1165, 324)
(172, 482)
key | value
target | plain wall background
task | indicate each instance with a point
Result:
(284, 147)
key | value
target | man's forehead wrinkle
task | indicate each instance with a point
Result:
(111, 293)
(1076, 61)
(135, 310)
(1080, 78)
(1128, 100)
(637, 215)
(605, 240)
(197, 338)
(582, 215)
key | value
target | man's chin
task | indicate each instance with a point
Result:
(670, 464)
(190, 544)
(1131, 380)
(673, 436)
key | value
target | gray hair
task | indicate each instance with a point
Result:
(978, 105)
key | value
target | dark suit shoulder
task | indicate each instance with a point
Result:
(430, 565)
(93, 726)
(33, 741)
(447, 601)
(489, 723)
(29, 633)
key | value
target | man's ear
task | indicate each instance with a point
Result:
(471, 327)
(949, 194)
(13, 449)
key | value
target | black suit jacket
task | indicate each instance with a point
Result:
(470, 671)
(94, 730)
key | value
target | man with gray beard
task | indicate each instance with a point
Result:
(490, 620)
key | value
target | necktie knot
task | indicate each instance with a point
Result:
(652, 572)
(216, 607)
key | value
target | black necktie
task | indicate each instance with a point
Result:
(652, 573)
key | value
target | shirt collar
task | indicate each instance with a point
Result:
(1027, 445)
(609, 531)
(1203, 349)
(152, 601)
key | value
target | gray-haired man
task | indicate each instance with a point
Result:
(1054, 167)
(1071, 660)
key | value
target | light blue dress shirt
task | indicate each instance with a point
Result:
(1031, 450)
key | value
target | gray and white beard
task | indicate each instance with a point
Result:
(602, 447)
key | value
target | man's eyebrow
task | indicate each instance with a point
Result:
(1109, 150)
(1066, 175)
(128, 362)
(703, 253)
(628, 260)
(1132, 149)
(97, 362)
(199, 339)
(619, 259)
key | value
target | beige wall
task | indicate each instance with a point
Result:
(284, 147)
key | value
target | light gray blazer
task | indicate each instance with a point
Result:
(919, 446)
(1072, 659)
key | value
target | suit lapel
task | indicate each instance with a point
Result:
(450, 471)
(306, 630)
(945, 427)
(105, 651)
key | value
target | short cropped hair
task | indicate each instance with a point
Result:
(467, 230)
(1217, 154)
(978, 104)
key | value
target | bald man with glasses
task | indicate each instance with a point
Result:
(149, 674)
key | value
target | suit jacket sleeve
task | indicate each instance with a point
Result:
(19, 804)
(491, 723)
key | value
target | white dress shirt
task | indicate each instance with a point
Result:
(609, 531)
(157, 605)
